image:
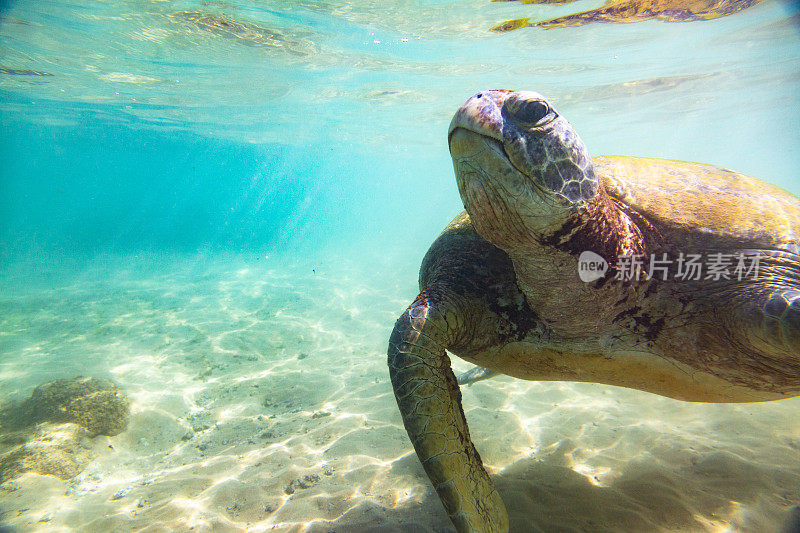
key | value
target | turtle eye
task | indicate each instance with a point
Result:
(532, 111)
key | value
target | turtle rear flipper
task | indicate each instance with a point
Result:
(430, 404)
(476, 374)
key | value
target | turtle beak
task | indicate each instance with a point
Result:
(481, 114)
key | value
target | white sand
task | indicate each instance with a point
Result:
(261, 401)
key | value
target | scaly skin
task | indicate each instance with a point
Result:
(469, 304)
(430, 402)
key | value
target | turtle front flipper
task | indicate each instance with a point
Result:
(766, 323)
(430, 403)
(769, 307)
(781, 320)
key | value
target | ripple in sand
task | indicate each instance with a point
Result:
(260, 400)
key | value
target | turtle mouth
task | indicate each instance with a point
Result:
(493, 144)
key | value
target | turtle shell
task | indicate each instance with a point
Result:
(688, 198)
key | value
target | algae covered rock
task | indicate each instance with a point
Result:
(92, 403)
(49, 432)
(60, 450)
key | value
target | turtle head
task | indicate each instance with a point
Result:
(521, 169)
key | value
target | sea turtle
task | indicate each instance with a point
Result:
(501, 286)
(635, 11)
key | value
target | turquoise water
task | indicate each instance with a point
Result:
(153, 132)
(188, 209)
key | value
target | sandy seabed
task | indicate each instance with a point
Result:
(260, 401)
